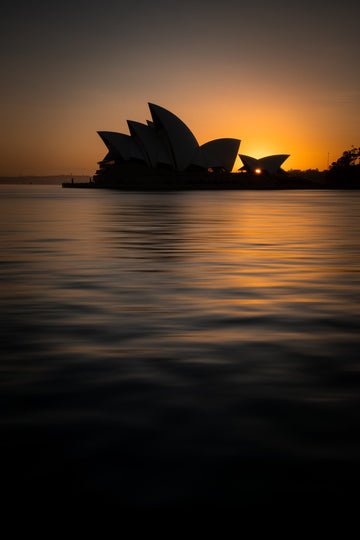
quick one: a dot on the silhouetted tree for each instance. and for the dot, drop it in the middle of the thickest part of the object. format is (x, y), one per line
(345, 172)
(348, 158)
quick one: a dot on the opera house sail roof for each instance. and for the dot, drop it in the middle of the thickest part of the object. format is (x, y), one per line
(164, 144)
(176, 135)
(268, 164)
(165, 141)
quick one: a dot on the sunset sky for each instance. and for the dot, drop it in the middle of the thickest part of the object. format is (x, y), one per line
(283, 77)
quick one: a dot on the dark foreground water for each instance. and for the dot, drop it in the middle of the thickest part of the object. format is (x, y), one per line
(180, 349)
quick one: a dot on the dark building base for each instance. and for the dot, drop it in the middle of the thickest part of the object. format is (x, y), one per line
(161, 180)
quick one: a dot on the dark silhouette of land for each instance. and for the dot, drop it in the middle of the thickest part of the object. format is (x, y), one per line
(344, 178)
(343, 174)
(41, 180)
(293, 179)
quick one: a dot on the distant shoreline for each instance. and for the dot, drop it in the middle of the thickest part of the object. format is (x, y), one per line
(42, 180)
(293, 179)
(155, 181)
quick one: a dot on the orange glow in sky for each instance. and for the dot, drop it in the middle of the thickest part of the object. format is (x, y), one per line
(71, 73)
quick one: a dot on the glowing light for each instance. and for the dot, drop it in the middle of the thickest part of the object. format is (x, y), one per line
(258, 171)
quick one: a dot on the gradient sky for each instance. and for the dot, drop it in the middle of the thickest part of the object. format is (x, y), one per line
(283, 77)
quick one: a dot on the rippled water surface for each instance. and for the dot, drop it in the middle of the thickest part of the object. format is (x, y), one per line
(180, 349)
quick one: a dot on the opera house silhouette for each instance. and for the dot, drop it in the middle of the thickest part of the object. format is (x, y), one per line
(164, 151)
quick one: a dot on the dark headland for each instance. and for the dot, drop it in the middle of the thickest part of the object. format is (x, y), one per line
(172, 181)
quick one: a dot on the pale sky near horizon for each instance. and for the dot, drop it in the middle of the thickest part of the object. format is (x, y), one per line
(281, 76)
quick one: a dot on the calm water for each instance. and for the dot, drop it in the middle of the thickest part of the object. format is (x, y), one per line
(182, 348)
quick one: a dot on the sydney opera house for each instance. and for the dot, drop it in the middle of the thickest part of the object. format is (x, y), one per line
(165, 144)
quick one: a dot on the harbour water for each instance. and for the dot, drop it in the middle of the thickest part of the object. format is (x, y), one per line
(180, 349)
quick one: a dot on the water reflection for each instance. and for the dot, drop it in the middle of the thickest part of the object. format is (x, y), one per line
(181, 348)
(146, 229)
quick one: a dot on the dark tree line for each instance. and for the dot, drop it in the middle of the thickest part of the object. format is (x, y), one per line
(345, 171)
(349, 158)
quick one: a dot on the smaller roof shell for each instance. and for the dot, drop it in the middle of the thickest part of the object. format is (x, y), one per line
(269, 164)
(121, 145)
(221, 152)
(149, 141)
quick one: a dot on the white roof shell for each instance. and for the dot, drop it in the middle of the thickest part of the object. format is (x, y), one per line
(177, 136)
(270, 164)
(221, 152)
(150, 143)
(121, 144)
(167, 140)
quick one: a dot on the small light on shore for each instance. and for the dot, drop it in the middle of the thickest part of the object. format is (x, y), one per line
(258, 171)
